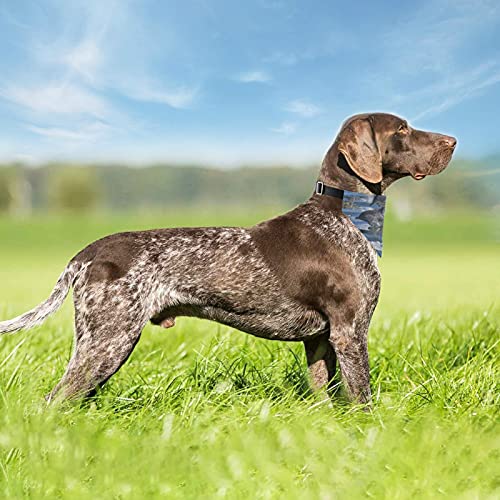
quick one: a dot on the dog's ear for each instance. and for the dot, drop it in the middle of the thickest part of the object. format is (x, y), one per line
(357, 143)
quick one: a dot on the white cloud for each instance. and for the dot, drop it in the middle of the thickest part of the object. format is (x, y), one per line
(286, 128)
(426, 52)
(254, 77)
(73, 73)
(432, 37)
(64, 98)
(463, 87)
(303, 108)
(87, 132)
(85, 58)
(56, 133)
(181, 97)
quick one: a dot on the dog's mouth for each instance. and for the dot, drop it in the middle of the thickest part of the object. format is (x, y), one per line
(418, 177)
(438, 162)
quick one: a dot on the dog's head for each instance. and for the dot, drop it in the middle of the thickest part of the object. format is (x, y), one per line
(379, 148)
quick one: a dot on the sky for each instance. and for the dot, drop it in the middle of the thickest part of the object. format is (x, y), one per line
(226, 83)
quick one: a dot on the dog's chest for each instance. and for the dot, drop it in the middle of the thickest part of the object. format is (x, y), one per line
(339, 233)
(318, 257)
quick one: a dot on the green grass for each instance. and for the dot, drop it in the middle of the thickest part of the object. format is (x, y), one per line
(203, 411)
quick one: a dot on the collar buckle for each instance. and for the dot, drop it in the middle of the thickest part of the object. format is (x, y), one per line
(320, 187)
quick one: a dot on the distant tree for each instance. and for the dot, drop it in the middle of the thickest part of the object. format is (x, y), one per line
(5, 190)
(74, 189)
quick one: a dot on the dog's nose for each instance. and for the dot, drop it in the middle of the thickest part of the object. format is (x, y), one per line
(449, 141)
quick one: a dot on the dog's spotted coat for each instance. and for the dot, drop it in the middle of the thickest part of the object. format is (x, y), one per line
(308, 275)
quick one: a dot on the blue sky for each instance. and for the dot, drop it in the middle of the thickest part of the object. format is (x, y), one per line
(225, 83)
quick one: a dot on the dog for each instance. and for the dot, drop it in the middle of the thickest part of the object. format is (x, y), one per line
(308, 275)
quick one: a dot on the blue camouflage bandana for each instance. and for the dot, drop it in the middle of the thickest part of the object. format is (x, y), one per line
(366, 212)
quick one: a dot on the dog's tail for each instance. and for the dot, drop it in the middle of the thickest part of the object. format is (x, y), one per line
(37, 315)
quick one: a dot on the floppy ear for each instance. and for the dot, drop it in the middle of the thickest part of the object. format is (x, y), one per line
(357, 143)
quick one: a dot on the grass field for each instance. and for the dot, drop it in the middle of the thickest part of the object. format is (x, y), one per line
(203, 411)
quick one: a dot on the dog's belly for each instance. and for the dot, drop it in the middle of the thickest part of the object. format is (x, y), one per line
(219, 274)
(289, 325)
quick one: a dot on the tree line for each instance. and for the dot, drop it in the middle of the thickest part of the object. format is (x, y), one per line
(81, 188)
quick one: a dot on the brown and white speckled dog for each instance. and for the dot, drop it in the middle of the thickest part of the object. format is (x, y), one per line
(308, 275)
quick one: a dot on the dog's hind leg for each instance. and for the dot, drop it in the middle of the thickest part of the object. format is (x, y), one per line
(105, 338)
(321, 360)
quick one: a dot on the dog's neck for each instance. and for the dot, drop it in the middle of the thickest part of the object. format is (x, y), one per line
(362, 202)
(335, 172)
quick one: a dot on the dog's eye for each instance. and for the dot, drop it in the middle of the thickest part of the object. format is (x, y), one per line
(403, 128)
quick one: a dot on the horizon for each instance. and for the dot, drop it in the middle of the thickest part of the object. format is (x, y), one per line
(264, 164)
(223, 85)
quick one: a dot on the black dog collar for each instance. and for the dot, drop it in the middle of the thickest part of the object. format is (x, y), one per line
(322, 188)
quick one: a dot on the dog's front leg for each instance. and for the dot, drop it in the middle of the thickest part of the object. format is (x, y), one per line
(349, 314)
(350, 341)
